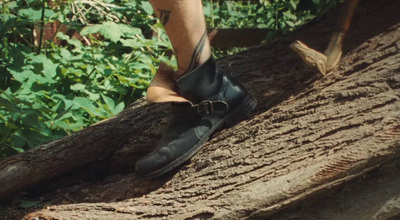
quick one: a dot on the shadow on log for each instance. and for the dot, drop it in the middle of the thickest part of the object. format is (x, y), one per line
(309, 133)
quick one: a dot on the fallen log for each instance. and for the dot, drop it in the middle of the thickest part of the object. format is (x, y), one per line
(309, 133)
(93, 144)
(375, 196)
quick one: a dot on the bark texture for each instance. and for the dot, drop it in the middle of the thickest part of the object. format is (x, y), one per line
(376, 196)
(309, 133)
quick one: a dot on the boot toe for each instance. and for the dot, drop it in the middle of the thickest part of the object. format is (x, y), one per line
(165, 158)
(152, 162)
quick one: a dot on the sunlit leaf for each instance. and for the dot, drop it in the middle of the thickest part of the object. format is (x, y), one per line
(147, 7)
(109, 102)
(118, 108)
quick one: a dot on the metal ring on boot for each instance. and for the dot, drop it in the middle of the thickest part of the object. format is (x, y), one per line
(207, 107)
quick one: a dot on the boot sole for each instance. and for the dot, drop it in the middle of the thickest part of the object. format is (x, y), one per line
(240, 113)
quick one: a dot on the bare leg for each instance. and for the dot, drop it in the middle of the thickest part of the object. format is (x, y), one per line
(186, 28)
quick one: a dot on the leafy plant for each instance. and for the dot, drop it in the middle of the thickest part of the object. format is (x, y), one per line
(49, 90)
(278, 16)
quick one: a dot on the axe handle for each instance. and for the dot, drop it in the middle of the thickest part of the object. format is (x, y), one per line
(334, 50)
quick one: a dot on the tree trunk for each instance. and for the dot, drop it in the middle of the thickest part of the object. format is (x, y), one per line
(308, 134)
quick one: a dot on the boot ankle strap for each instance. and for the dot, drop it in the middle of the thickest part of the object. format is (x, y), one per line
(208, 107)
(204, 108)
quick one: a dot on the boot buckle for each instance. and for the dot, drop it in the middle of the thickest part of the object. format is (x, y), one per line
(207, 107)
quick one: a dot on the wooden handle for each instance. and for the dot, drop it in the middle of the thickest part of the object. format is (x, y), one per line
(334, 50)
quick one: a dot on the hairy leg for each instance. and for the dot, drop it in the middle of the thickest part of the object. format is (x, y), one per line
(184, 23)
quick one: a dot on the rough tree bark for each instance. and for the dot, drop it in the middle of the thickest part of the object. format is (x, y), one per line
(309, 133)
(374, 197)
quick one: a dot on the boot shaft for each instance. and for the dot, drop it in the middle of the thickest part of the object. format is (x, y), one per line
(202, 83)
(208, 82)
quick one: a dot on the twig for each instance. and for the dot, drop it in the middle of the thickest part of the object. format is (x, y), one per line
(66, 196)
(41, 27)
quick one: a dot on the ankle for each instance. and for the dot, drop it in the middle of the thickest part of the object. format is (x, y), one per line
(182, 70)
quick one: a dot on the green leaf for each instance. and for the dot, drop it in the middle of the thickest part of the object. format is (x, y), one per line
(49, 68)
(30, 13)
(22, 75)
(33, 137)
(78, 87)
(109, 30)
(61, 124)
(27, 204)
(289, 15)
(7, 105)
(89, 107)
(119, 108)
(291, 24)
(130, 43)
(91, 29)
(63, 114)
(19, 142)
(86, 104)
(7, 18)
(74, 42)
(147, 7)
(65, 54)
(293, 4)
(109, 102)
(19, 150)
(12, 5)
(93, 96)
(129, 31)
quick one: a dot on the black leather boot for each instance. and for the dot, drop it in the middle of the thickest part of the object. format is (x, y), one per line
(216, 98)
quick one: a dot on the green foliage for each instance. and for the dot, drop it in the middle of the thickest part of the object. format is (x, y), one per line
(50, 90)
(280, 16)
